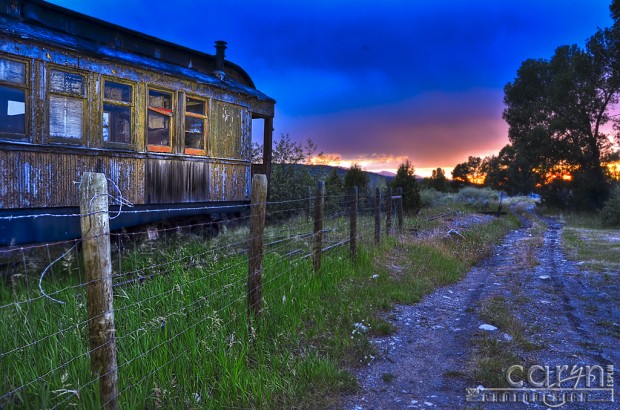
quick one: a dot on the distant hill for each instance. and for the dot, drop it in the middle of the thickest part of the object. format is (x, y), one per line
(387, 174)
(323, 171)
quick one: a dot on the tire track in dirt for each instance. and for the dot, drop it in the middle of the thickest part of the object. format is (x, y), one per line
(426, 363)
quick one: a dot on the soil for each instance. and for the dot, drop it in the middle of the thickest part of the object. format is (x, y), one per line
(572, 315)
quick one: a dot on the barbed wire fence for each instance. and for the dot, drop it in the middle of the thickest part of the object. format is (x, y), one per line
(80, 318)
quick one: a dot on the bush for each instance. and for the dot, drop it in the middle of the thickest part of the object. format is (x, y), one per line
(610, 214)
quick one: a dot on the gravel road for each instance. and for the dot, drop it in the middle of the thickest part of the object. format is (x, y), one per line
(571, 314)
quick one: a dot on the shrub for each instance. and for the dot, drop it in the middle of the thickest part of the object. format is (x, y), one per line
(610, 214)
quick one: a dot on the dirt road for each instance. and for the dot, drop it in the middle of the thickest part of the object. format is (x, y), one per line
(569, 316)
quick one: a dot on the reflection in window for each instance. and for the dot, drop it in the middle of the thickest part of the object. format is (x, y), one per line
(159, 121)
(118, 100)
(66, 105)
(12, 110)
(12, 97)
(195, 126)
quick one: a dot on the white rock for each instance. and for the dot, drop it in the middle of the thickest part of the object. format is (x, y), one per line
(544, 277)
(506, 337)
(487, 327)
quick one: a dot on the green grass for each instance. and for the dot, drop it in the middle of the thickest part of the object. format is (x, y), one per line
(493, 354)
(587, 241)
(183, 337)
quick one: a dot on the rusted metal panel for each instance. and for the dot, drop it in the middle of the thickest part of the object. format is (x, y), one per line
(230, 182)
(45, 179)
(175, 180)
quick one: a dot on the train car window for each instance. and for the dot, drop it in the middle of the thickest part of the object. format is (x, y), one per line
(12, 98)
(195, 126)
(66, 105)
(117, 110)
(159, 121)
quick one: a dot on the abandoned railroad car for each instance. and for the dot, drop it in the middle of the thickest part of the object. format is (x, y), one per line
(169, 126)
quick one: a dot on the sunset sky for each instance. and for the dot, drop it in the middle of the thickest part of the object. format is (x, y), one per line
(375, 82)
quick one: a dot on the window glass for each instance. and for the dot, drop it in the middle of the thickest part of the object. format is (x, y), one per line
(67, 82)
(195, 126)
(12, 110)
(116, 124)
(195, 106)
(194, 133)
(159, 121)
(158, 129)
(66, 117)
(12, 71)
(117, 92)
(159, 99)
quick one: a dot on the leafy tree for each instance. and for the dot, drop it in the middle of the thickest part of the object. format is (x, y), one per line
(289, 178)
(508, 172)
(438, 180)
(334, 190)
(355, 176)
(610, 214)
(405, 179)
(615, 11)
(556, 108)
(470, 172)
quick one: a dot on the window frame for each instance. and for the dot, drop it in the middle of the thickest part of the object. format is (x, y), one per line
(131, 105)
(84, 99)
(165, 149)
(27, 89)
(205, 118)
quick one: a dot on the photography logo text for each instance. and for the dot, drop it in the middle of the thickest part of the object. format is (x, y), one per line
(553, 386)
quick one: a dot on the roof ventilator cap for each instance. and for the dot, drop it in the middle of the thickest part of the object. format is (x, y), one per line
(220, 47)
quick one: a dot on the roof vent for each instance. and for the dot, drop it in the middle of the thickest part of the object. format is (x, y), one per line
(220, 48)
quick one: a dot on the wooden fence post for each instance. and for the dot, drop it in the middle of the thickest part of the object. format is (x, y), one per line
(353, 229)
(255, 258)
(377, 216)
(308, 204)
(95, 225)
(318, 224)
(399, 210)
(388, 212)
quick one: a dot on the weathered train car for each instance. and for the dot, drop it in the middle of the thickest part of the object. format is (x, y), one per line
(169, 126)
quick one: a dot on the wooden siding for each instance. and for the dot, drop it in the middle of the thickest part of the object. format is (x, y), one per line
(176, 180)
(45, 179)
(230, 182)
(226, 140)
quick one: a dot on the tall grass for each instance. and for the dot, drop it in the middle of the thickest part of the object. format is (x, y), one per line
(183, 335)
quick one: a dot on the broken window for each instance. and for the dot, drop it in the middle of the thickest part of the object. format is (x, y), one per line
(117, 106)
(12, 97)
(195, 126)
(66, 105)
(159, 121)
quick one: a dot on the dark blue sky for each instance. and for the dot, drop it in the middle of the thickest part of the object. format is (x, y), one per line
(375, 81)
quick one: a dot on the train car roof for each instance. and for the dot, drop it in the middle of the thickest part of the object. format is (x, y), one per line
(47, 23)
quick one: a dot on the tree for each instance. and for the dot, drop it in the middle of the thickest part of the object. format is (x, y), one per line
(355, 176)
(508, 172)
(469, 172)
(556, 108)
(289, 178)
(334, 190)
(438, 180)
(405, 179)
